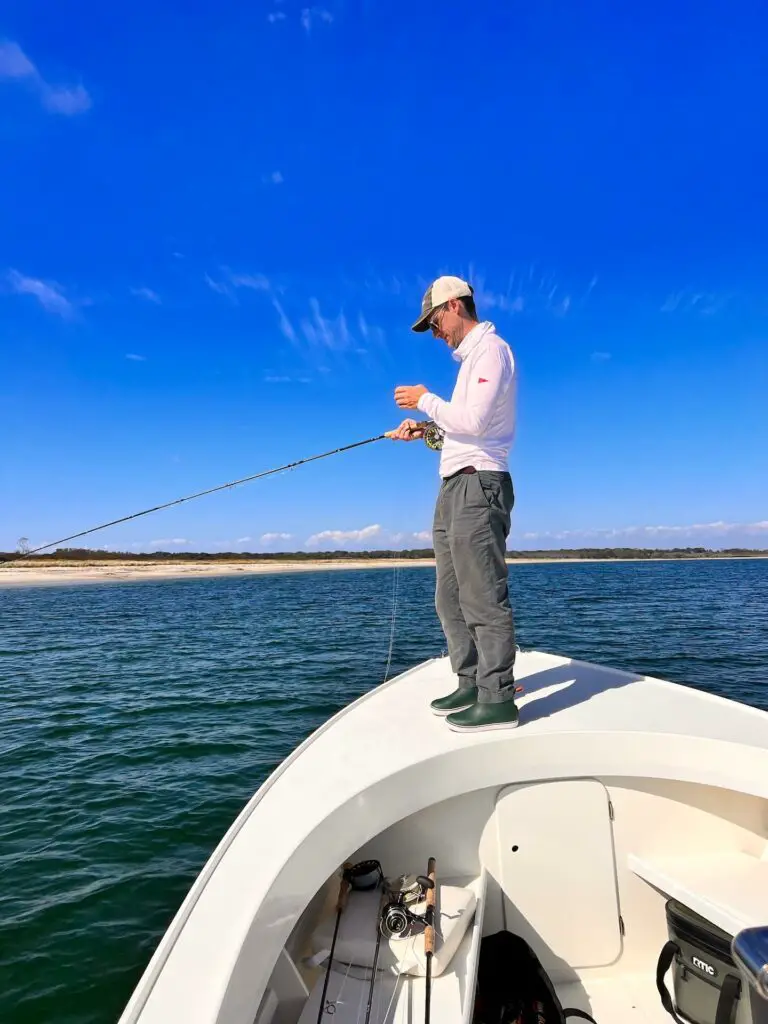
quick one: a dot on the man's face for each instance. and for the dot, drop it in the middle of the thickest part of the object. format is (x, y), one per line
(446, 324)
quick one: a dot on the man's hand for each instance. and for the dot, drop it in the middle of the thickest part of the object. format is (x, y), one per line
(408, 430)
(407, 397)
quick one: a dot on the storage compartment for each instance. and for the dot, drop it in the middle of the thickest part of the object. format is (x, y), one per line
(557, 873)
(706, 983)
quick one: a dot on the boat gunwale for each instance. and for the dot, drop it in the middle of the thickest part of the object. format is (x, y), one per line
(146, 983)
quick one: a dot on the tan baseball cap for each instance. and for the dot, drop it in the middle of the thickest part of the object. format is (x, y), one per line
(440, 291)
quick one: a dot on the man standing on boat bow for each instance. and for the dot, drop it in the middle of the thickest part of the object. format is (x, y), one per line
(474, 506)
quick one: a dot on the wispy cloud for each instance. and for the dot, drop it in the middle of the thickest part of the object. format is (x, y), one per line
(370, 333)
(310, 16)
(286, 327)
(49, 294)
(689, 300)
(217, 286)
(600, 357)
(326, 537)
(66, 101)
(390, 285)
(590, 288)
(642, 535)
(312, 332)
(321, 336)
(273, 178)
(272, 538)
(318, 330)
(326, 332)
(529, 290)
(485, 298)
(279, 379)
(146, 294)
(15, 65)
(228, 283)
(135, 358)
(257, 282)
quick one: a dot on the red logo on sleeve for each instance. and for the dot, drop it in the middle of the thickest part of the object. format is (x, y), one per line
(482, 380)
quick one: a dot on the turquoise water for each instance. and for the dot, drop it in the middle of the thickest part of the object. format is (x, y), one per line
(138, 719)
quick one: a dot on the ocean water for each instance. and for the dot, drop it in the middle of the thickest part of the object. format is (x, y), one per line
(138, 718)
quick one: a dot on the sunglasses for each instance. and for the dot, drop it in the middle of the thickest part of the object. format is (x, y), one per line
(434, 322)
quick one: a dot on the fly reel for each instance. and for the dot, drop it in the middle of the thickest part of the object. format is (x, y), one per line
(397, 918)
(434, 437)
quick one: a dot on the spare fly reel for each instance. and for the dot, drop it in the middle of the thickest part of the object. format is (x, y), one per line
(397, 918)
(365, 875)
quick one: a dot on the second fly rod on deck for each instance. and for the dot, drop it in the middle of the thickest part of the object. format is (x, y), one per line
(433, 438)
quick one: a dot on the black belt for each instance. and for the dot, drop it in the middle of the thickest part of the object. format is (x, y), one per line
(466, 469)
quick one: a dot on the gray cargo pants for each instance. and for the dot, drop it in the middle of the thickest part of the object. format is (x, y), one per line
(470, 530)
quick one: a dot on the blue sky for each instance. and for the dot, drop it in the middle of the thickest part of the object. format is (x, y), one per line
(217, 221)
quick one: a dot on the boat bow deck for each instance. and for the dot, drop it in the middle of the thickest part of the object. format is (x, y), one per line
(386, 757)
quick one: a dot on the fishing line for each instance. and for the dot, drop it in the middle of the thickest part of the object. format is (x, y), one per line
(395, 587)
(398, 976)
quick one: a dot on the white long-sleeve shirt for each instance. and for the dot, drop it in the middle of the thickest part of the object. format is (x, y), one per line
(479, 420)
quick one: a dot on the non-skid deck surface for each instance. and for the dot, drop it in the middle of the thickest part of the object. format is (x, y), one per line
(396, 1000)
(626, 999)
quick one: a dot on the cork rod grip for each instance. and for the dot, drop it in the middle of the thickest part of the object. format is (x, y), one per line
(429, 931)
(344, 887)
(422, 425)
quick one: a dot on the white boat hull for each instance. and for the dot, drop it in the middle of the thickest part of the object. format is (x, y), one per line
(616, 792)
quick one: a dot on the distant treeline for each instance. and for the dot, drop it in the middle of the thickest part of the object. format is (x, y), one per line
(87, 554)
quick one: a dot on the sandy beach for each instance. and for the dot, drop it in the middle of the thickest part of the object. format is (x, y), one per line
(65, 573)
(111, 572)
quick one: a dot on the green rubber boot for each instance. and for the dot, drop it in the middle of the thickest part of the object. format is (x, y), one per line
(459, 700)
(481, 717)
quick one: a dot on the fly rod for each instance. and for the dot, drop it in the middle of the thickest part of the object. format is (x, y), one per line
(341, 902)
(429, 936)
(432, 438)
(368, 1008)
